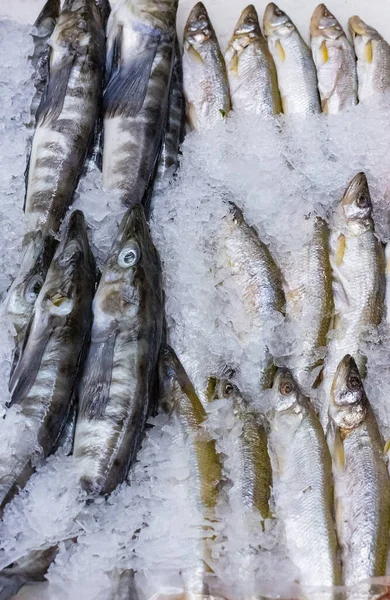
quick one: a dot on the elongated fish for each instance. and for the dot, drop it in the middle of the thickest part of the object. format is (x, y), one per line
(178, 396)
(140, 56)
(44, 381)
(67, 113)
(29, 569)
(362, 485)
(373, 59)
(26, 287)
(116, 392)
(206, 87)
(303, 487)
(335, 61)
(251, 69)
(296, 71)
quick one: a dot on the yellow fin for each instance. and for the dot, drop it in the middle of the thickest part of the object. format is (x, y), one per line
(325, 106)
(234, 64)
(387, 446)
(340, 250)
(388, 265)
(324, 52)
(280, 50)
(368, 52)
(195, 55)
(338, 449)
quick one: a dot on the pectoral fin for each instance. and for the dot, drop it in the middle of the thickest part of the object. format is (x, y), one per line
(53, 97)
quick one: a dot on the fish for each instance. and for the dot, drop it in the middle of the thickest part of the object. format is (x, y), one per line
(123, 586)
(362, 484)
(310, 302)
(24, 291)
(253, 467)
(205, 80)
(256, 274)
(373, 59)
(69, 108)
(303, 486)
(335, 61)
(387, 293)
(29, 569)
(141, 41)
(117, 391)
(251, 69)
(44, 382)
(178, 397)
(297, 77)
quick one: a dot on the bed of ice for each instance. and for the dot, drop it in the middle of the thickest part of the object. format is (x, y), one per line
(278, 176)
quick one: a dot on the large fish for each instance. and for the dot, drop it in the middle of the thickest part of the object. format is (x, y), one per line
(67, 113)
(362, 485)
(373, 59)
(296, 71)
(206, 86)
(44, 382)
(335, 61)
(303, 487)
(117, 388)
(179, 398)
(251, 69)
(140, 57)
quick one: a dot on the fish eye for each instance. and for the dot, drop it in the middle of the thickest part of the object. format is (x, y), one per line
(353, 383)
(33, 288)
(129, 256)
(278, 12)
(286, 388)
(228, 389)
(202, 17)
(363, 201)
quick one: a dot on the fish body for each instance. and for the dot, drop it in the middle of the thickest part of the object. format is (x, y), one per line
(44, 381)
(251, 69)
(206, 86)
(140, 55)
(335, 61)
(362, 485)
(297, 78)
(67, 112)
(303, 487)
(29, 569)
(116, 392)
(373, 59)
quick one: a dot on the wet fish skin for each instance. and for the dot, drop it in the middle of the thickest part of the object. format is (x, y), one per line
(116, 394)
(303, 487)
(335, 61)
(373, 59)
(297, 77)
(362, 485)
(29, 569)
(251, 69)
(206, 87)
(67, 112)
(140, 56)
(44, 381)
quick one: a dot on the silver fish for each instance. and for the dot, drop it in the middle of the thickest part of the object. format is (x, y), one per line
(44, 381)
(140, 56)
(116, 392)
(362, 484)
(335, 61)
(67, 112)
(297, 77)
(206, 87)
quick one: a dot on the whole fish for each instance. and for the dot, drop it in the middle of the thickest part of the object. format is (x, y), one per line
(252, 469)
(362, 485)
(206, 87)
(25, 289)
(140, 54)
(67, 113)
(335, 61)
(251, 69)
(178, 396)
(303, 487)
(373, 59)
(116, 392)
(295, 68)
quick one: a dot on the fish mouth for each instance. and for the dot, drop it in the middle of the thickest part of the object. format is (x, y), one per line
(324, 23)
(198, 21)
(275, 19)
(248, 22)
(133, 225)
(74, 240)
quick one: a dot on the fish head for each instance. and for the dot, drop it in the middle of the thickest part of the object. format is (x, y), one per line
(348, 401)
(356, 201)
(247, 28)
(324, 24)
(173, 380)
(76, 22)
(222, 388)
(364, 39)
(285, 391)
(198, 28)
(276, 23)
(45, 22)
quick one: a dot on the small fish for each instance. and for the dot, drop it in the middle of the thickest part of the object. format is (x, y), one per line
(373, 59)
(206, 87)
(303, 487)
(67, 113)
(29, 569)
(362, 485)
(117, 389)
(141, 41)
(335, 61)
(295, 68)
(44, 382)
(251, 68)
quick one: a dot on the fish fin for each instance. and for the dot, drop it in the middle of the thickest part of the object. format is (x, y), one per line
(319, 379)
(341, 245)
(280, 50)
(53, 97)
(368, 52)
(95, 389)
(324, 52)
(113, 56)
(194, 54)
(338, 449)
(325, 106)
(234, 64)
(387, 447)
(126, 90)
